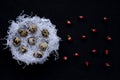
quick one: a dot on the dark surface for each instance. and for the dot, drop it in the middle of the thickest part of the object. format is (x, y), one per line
(59, 11)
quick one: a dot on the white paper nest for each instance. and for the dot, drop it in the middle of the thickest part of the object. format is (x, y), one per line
(42, 23)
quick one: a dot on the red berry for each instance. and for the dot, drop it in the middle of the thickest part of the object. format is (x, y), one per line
(107, 64)
(94, 30)
(109, 38)
(65, 58)
(94, 50)
(76, 54)
(84, 36)
(86, 63)
(68, 22)
(81, 17)
(69, 38)
(105, 18)
(106, 51)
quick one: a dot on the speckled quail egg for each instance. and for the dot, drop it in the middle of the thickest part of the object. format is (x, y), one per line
(23, 32)
(38, 54)
(31, 41)
(33, 28)
(16, 41)
(45, 33)
(43, 46)
(23, 49)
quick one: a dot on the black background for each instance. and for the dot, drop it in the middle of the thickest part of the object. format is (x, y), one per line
(58, 11)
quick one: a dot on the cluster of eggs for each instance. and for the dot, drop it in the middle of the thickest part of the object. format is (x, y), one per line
(33, 40)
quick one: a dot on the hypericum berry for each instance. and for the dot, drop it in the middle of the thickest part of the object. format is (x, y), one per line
(65, 58)
(68, 22)
(106, 51)
(86, 63)
(94, 51)
(94, 30)
(107, 64)
(69, 38)
(81, 17)
(105, 19)
(84, 36)
(109, 38)
(76, 54)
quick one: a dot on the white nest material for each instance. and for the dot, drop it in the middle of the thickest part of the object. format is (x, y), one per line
(42, 23)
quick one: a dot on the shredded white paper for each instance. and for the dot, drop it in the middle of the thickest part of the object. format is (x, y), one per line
(24, 21)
